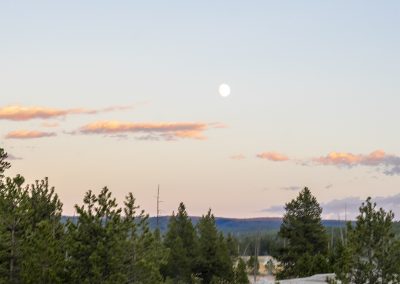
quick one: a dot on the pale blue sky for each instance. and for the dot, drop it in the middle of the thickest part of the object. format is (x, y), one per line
(307, 78)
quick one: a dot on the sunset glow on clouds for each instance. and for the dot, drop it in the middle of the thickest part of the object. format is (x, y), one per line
(21, 113)
(165, 130)
(273, 156)
(26, 134)
(390, 163)
(309, 114)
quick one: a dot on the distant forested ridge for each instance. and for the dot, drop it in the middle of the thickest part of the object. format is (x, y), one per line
(236, 226)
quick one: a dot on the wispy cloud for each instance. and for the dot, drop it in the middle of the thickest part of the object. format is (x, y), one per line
(238, 157)
(273, 156)
(292, 188)
(347, 207)
(389, 164)
(26, 134)
(160, 130)
(21, 113)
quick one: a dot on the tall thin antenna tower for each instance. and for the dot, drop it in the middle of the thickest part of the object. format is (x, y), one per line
(158, 206)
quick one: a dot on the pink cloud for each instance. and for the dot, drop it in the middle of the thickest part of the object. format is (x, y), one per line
(26, 134)
(273, 156)
(21, 113)
(165, 130)
(349, 159)
(389, 164)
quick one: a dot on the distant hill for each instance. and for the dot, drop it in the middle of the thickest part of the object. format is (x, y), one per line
(241, 226)
(235, 225)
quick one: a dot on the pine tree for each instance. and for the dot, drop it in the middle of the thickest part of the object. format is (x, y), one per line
(306, 251)
(96, 243)
(373, 252)
(43, 249)
(240, 273)
(13, 221)
(4, 165)
(31, 233)
(214, 259)
(181, 242)
(144, 250)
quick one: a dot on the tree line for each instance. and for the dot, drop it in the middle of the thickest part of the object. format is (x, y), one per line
(107, 243)
(368, 250)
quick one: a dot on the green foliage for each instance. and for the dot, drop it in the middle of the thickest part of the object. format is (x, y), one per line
(241, 273)
(253, 263)
(306, 247)
(145, 252)
(4, 165)
(214, 261)
(182, 243)
(372, 252)
(31, 235)
(112, 244)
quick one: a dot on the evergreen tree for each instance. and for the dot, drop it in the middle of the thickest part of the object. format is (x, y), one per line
(31, 234)
(13, 221)
(214, 256)
(4, 165)
(233, 247)
(305, 253)
(181, 241)
(373, 252)
(96, 242)
(240, 273)
(43, 250)
(144, 250)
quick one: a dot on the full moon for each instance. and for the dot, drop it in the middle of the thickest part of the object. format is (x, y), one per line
(224, 90)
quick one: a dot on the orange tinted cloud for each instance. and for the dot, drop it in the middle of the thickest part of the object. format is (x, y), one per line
(20, 113)
(388, 164)
(349, 159)
(165, 130)
(26, 134)
(273, 156)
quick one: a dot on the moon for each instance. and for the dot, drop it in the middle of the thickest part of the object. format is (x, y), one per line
(224, 90)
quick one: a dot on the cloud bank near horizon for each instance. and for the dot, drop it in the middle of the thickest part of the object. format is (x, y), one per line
(385, 163)
(151, 130)
(27, 134)
(24, 113)
(338, 208)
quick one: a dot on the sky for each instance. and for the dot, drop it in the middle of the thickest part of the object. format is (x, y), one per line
(124, 94)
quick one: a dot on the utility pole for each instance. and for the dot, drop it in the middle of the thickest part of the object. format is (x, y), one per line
(158, 206)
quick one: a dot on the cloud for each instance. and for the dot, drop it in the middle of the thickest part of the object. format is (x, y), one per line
(26, 134)
(390, 164)
(347, 207)
(238, 157)
(21, 113)
(161, 130)
(273, 156)
(350, 206)
(292, 188)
